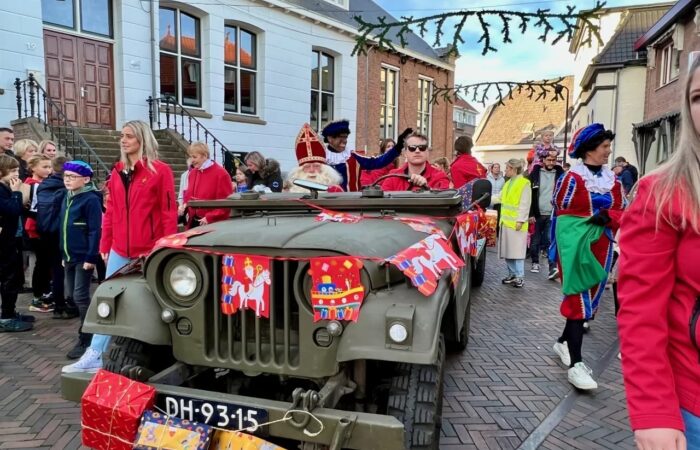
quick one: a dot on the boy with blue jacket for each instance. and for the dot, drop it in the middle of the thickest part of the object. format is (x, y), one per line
(81, 224)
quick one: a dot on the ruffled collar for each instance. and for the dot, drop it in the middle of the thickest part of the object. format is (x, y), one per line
(600, 182)
(334, 158)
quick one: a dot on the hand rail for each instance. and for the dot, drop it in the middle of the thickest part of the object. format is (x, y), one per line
(195, 129)
(56, 122)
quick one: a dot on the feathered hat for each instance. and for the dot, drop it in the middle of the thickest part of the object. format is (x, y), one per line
(308, 147)
(588, 138)
(336, 128)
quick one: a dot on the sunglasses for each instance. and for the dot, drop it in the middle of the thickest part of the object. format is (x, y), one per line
(413, 148)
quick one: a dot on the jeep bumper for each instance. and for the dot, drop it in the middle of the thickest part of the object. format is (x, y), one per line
(350, 429)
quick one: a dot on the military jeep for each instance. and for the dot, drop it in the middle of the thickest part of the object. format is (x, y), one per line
(372, 384)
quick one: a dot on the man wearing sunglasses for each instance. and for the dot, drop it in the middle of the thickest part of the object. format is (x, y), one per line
(421, 173)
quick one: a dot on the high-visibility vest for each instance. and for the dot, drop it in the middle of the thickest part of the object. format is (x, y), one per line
(510, 201)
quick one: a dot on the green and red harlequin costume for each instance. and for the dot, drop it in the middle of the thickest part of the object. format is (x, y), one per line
(584, 250)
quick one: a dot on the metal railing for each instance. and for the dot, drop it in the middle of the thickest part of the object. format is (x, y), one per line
(166, 113)
(34, 102)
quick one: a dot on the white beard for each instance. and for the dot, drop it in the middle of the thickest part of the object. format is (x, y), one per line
(328, 176)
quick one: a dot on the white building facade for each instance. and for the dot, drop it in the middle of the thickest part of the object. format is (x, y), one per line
(247, 70)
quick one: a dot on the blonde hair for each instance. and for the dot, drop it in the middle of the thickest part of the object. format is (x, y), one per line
(680, 175)
(36, 159)
(517, 164)
(198, 148)
(20, 147)
(256, 158)
(443, 163)
(44, 143)
(149, 144)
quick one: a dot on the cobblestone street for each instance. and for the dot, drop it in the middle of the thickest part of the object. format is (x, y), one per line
(506, 391)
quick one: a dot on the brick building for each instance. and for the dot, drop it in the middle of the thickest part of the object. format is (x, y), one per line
(671, 44)
(394, 92)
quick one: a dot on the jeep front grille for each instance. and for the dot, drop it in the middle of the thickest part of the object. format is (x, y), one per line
(244, 340)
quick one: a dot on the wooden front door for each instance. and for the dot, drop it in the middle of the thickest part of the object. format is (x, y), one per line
(80, 79)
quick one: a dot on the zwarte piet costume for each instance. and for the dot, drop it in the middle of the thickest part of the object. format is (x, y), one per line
(588, 203)
(349, 163)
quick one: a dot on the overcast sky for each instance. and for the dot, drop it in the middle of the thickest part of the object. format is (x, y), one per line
(526, 58)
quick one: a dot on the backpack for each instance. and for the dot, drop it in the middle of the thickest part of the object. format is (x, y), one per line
(48, 207)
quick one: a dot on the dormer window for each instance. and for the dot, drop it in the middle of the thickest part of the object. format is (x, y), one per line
(345, 4)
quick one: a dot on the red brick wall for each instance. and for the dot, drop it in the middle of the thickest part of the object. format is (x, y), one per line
(369, 102)
(665, 99)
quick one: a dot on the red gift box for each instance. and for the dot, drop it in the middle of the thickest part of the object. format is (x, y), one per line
(112, 406)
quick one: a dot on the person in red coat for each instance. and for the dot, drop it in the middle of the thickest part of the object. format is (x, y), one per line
(141, 208)
(421, 173)
(465, 167)
(207, 180)
(659, 292)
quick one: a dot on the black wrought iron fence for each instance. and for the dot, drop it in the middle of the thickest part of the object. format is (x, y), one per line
(34, 102)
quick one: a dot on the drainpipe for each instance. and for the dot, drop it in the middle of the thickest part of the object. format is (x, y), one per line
(367, 99)
(616, 99)
(154, 48)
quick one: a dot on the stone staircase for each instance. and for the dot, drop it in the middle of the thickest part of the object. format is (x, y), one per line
(106, 144)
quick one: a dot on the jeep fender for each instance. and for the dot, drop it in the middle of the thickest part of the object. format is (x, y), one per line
(134, 311)
(368, 337)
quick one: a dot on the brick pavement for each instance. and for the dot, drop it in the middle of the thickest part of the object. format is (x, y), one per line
(506, 391)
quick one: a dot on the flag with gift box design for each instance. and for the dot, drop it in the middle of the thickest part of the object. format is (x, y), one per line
(424, 262)
(112, 406)
(245, 284)
(179, 240)
(337, 291)
(158, 432)
(487, 228)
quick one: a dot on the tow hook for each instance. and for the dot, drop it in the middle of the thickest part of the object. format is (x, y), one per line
(304, 401)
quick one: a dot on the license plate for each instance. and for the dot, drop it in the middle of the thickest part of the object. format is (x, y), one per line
(218, 414)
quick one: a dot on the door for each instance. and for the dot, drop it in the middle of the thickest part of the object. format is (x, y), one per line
(79, 78)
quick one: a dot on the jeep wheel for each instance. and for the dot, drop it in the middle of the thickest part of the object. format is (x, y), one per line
(415, 398)
(479, 271)
(134, 359)
(461, 344)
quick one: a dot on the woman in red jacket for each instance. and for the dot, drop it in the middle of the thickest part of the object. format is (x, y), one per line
(140, 209)
(659, 289)
(206, 181)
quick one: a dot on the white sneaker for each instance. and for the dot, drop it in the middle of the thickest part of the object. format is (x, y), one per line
(90, 362)
(535, 268)
(580, 376)
(562, 350)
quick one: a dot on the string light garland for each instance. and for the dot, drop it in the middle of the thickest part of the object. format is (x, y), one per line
(562, 25)
(503, 90)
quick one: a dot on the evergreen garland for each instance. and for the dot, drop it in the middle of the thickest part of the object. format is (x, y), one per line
(503, 90)
(562, 25)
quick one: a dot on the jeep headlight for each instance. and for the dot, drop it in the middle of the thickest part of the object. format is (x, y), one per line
(183, 280)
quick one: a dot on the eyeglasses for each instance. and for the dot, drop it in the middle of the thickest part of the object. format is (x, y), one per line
(70, 176)
(413, 148)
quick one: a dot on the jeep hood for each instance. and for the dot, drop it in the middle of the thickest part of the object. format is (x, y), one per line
(373, 238)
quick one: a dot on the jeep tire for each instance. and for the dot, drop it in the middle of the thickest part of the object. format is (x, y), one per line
(415, 398)
(461, 343)
(479, 270)
(124, 353)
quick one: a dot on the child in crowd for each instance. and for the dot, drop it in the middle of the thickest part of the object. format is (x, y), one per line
(40, 168)
(80, 232)
(543, 148)
(50, 195)
(10, 247)
(241, 182)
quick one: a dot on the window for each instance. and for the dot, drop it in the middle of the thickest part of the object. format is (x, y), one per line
(180, 57)
(425, 93)
(322, 89)
(389, 98)
(670, 65)
(88, 16)
(240, 70)
(342, 3)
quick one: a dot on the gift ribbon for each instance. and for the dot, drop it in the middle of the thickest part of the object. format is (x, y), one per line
(111, 418)
(82, 424)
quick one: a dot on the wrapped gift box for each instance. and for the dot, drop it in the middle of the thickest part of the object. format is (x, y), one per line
(112, 406)
(235, 440)
(488, 228)
(161, 432)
